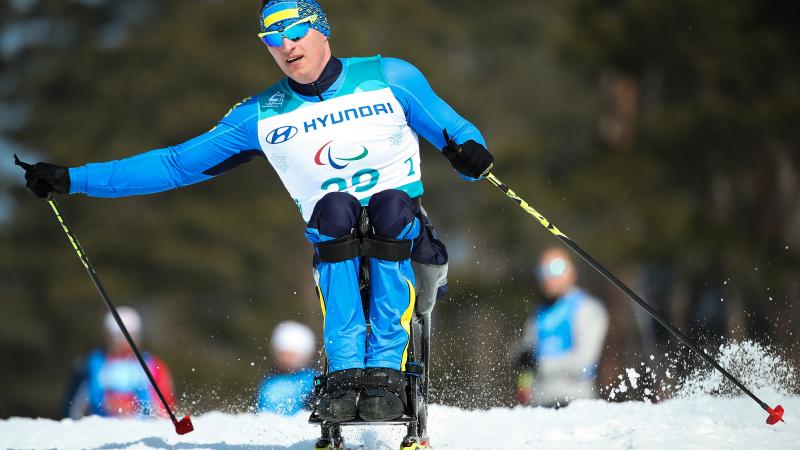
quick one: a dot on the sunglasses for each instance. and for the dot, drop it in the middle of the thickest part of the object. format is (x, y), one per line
(293, 32)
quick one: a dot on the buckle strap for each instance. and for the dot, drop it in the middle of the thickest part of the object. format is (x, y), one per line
(385, 248)
(389, 380)
(349, 247)
(345, 379)
(340, 249)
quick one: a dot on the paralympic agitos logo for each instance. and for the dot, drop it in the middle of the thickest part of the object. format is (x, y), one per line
(337, 162)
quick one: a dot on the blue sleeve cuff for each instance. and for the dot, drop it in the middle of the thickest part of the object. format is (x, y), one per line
(78, 180)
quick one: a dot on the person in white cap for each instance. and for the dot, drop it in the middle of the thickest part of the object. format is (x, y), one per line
(288, 390)
(111, 382)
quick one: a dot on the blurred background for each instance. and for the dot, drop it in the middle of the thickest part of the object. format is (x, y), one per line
(660, 136)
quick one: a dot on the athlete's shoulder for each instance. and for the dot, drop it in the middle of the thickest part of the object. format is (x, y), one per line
(400, 69)
(393, 63)
(243, 110)
(245, 102)
(401, 74)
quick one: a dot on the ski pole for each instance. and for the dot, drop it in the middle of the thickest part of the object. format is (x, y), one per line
(184, 425)
(775, 414)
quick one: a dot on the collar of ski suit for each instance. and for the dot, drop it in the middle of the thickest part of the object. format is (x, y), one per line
(329, 76)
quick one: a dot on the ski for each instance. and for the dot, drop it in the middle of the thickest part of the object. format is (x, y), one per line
(328, 444)
(338, 444)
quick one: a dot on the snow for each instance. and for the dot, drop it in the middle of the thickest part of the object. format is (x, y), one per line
(697, 422)
(697, 417)
(633, 377)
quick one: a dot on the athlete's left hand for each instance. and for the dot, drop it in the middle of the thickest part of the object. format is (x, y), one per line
(470, 158)
(43, 178)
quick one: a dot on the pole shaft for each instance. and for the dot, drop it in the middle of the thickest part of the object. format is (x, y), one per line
(619, 284)
(93, 275)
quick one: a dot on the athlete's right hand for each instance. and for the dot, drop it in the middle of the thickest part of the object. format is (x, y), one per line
(470, 158)
(43, 178)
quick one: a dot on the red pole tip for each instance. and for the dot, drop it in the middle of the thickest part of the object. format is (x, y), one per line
(775, 415)
(184, 425)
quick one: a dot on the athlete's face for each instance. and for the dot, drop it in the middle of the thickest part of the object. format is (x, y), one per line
(304, 59)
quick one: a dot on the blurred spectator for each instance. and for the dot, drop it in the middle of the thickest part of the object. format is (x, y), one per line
(563, 340)
(111, 382)
(288, 390)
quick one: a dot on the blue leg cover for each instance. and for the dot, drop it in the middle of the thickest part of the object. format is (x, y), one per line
(334, 216)
(392, 215)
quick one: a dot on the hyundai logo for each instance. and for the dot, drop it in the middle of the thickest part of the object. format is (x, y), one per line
(281, 134)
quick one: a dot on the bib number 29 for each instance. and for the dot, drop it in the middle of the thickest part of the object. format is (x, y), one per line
(363, 180)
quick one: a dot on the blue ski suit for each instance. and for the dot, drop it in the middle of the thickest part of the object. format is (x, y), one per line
(347, 141)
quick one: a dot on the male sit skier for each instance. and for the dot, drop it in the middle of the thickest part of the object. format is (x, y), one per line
(342, 134)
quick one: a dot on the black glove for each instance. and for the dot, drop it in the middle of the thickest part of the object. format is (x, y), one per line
(470, 158)
(43, 178)
(526, 360)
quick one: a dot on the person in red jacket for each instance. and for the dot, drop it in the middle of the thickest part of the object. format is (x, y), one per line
(111, 382)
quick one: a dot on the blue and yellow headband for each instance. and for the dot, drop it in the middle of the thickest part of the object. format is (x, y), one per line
(278, 14)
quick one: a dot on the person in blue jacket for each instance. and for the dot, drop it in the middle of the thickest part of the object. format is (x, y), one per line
(343, 136)
(564, 338)
(288, 389)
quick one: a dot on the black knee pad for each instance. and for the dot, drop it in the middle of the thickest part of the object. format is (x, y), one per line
(335, 214)
(390, 211)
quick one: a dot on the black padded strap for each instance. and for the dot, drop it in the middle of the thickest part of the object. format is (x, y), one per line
(338, 250)
(348, 247)
(345, 379)
(386, 249)
(392, 382)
